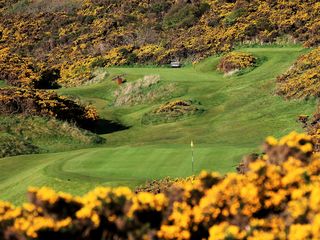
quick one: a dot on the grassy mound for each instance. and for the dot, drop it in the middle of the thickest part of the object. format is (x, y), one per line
(148, 89)
(303, 78)
(277, 198)
(172, 111)
(26, 135)
(236, 61)
(13, 146)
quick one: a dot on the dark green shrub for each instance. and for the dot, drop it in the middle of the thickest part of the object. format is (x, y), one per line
(98, 62)
(233, 16)
(13, 146)
(160, 6)
(180, 15)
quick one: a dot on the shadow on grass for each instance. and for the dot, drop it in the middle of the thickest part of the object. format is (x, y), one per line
(103, 126)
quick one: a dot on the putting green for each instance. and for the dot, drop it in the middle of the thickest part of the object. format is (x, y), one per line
(240, 112)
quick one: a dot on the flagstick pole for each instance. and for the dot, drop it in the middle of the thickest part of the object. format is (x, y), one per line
(192, 162)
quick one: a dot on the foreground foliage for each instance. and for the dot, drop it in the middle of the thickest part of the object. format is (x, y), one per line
(276, 198)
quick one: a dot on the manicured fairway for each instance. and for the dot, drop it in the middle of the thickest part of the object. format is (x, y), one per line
(240, 112)
(81, 170)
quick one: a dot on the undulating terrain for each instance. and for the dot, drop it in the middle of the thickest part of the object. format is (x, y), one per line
(239, 111)
(89, 99)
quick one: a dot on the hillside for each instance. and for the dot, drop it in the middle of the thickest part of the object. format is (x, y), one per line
(77, 48)
(66, 40)
(170, 98)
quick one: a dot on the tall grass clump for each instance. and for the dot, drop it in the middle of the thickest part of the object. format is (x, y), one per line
(148, 89)
(26, 135)
(13, 146)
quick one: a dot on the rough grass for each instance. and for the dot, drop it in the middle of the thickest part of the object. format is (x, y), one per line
(36, 6)
(172, 111)
(36, 134)
(2, 83)
(147, 89)
(14, 145)
(240, 112)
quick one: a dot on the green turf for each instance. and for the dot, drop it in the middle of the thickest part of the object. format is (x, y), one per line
(2, 83)
(240, 112)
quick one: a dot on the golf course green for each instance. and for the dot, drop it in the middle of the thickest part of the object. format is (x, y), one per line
(240, 111)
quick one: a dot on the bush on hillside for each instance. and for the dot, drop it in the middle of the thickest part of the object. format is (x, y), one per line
(276, 198)
(172, 111)
(25, 72)
(45, 103)
(312, 126)
(63, 35)
(231, 18)
(180, 15)
(17, 70)
(80, 72)
(236, 61)
(302, 80)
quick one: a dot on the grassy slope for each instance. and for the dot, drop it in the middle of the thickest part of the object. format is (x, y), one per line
(241, 112)
(49, 135)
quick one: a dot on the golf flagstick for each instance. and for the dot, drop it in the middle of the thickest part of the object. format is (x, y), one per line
(192, 150)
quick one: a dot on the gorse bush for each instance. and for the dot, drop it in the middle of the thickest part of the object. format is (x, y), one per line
(180, 15)
(236, 61)
(45, 103)
(66, 35)
(312, 127)
(161, 185)
(172, 111)
(302, 80)
(276, 198)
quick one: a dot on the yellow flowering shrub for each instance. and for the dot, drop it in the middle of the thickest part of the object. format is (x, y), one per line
(302, 80)
(62, 34)
(271, 200)
(236, 61)
(45, 103)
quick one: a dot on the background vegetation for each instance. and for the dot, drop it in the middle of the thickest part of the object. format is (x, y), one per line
(68, 39)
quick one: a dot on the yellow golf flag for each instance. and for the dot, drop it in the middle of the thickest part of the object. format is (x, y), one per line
(192, 145)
